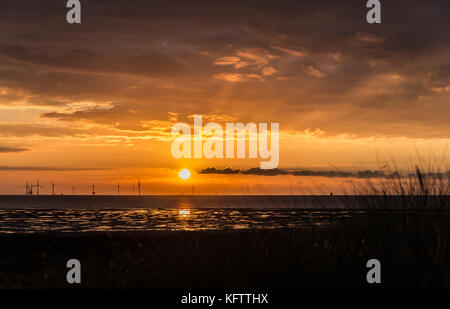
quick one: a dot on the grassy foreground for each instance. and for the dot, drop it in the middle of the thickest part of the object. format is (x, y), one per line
(413, 250)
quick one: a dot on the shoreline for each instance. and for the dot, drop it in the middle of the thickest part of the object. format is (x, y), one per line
(307, 202)
(328, 257)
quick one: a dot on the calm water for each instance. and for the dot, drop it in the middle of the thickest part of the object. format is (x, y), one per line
(172, 219)
(29, 214)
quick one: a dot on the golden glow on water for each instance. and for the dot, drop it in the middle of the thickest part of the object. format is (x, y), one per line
(184, 213)
(182, 218)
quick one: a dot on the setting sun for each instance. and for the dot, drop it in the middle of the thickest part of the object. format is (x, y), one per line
(184, 174)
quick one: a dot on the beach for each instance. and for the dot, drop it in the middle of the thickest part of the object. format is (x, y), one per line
(412, 250)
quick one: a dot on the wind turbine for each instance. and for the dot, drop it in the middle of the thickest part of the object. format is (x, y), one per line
(31, 188)
(53, 188)
(37, 187)
(118, 189)
(93, 189)
(139, 187)
(27, 188)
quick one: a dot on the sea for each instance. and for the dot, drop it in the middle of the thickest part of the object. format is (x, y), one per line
(36, 214)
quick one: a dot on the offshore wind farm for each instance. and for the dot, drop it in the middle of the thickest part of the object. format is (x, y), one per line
(36, 189)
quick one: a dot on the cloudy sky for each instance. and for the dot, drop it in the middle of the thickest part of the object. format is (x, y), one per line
(95, 102)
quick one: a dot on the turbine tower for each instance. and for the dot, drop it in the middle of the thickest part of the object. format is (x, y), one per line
(118, 189)
(37, 187)
(139, 187)
(93, 189)
(53, 188)
(27, 188)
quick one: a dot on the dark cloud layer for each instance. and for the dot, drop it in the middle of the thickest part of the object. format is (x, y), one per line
(305, 64)
(4, 149)
(44, 168)
(150, 64)
(276, 172)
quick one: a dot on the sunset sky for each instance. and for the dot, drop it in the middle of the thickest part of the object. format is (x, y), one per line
(95, 102)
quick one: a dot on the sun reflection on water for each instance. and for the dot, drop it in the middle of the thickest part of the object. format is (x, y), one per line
(184, 213)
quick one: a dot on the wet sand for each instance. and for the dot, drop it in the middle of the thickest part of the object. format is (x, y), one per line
(412, 250)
